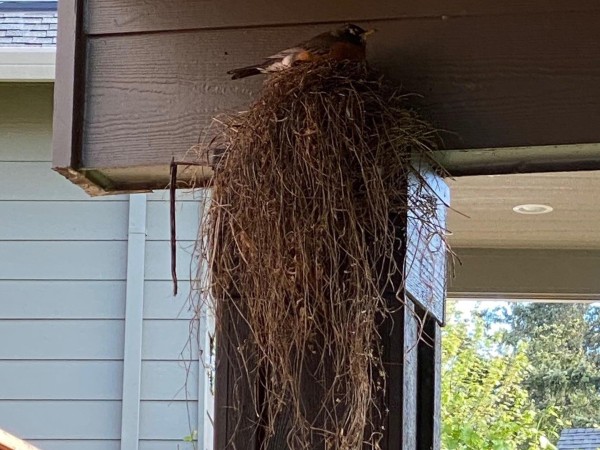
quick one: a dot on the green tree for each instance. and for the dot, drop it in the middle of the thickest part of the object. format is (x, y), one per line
(484, 405)
(563, 348)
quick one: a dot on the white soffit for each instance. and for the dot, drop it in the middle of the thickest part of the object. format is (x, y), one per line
(19, 64)
(483, 213)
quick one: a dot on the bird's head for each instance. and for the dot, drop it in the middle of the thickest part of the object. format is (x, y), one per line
(353, 33)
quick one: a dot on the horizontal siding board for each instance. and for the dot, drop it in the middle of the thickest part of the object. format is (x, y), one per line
(159, 302)
(168, 340)
(118, 16)
(175, 444)
(81, 220)
(187, 220)
(94, 380)
(169, 380)
(181, 195)
(62, 299)
(61, 380)
(61, 339)
(520, 82)
(66, 260)
(167, 420)
(158, 260)
(42, 184)
(25, 122)
(52, 419)
(76, 444)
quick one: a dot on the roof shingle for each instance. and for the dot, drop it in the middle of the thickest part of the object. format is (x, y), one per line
(28, 29)
(579, 439)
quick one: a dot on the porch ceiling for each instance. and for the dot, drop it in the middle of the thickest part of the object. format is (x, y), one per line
(488, 203)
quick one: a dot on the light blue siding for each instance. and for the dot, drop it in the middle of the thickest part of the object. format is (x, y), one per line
(94, 380)
(80, 221)
(61, 339)
(167, 340)
(79, 299)
(165, 445)
(167, 419)
(63, 277)
(61, 380)
(159, 302)
(63, 260)
(158, 260)
(59, 419)
(111, 445)
(77, 444)
(188, 214)
(169, 380)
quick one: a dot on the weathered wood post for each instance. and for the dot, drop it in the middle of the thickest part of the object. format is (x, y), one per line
(410, 340)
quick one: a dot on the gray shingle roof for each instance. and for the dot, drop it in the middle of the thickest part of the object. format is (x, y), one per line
(579, 439)
(28, 29)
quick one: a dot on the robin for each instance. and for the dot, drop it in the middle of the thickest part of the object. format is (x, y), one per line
(345, 43)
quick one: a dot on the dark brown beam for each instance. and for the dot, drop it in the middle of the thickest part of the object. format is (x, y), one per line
(493, 81)
(526, 274)
(67, 120)
(498, 161)
(429, 431)
(504, 76)
(133, 16)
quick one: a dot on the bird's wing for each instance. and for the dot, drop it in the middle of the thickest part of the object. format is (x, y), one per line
(282, 60)
(319, 44)
(316, 45)
(285, 53)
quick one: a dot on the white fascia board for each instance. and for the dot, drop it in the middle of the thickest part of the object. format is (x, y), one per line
(18, 64)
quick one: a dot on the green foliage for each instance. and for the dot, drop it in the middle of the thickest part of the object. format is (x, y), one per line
(192, 437)
(484, 403)
(563, 348)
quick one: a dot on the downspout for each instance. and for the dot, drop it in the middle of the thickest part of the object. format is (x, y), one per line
(134, 306)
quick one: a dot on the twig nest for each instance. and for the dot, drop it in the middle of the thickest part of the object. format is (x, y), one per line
(301, 236)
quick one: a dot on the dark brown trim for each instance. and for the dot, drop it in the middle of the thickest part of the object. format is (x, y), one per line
(89, 184)
(551, 274)
(499, 161)
(429, 387)
(98, 182)
(69, 86)
(193, 15)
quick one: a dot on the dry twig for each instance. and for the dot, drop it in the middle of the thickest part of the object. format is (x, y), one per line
(302, 233)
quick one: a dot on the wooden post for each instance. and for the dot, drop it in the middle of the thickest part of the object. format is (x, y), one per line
(411, 363)
(428, 387)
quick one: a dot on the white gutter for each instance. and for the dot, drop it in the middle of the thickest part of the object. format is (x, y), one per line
(21, 64)
(134, 319)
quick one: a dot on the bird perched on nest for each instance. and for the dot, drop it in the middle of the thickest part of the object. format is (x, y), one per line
(345, 43)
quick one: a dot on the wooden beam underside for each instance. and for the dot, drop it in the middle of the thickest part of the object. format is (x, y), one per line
(511, 77)
(526, 274)
(457, 163)
(500, 161)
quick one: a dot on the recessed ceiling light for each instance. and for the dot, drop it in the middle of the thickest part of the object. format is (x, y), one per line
(532, 208)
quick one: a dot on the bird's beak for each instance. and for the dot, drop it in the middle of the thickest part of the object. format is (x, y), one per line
(368, 32)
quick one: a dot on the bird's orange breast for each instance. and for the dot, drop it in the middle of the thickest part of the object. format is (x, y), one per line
(304, 55)
(347, 51)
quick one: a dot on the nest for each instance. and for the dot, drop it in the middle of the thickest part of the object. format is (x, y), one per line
(302, 236)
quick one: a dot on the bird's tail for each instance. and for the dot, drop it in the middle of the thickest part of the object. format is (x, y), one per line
(244, 72)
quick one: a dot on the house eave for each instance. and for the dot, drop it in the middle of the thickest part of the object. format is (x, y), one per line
(19, 64)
